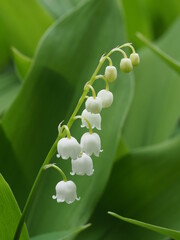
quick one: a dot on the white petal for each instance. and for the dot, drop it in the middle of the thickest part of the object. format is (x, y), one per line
(94, 119)
(70, 195)
(68, 147)
(106, 97)
(93, 105)
(82, 165)
(65, 191)
(91, 143)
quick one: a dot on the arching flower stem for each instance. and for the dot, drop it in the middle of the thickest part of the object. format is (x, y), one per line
(85, 119)
(110, 61)
(66, 129)
(92, 90)
(106, 81)
(56, 168)
(128, 45)
(121, 51)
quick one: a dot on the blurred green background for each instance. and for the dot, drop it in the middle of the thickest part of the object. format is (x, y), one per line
(48, 51)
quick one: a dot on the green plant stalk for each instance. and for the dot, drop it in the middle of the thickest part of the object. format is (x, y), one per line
(164, 56)
(59, 170)
(54, 146)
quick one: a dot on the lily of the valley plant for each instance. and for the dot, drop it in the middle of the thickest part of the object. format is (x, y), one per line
(90, 144)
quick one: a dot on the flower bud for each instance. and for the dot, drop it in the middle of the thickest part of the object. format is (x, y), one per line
(66, 192)
(82, 165)
(106, 97)
(68, 147)
(91, 144)
(93, 105)
(94, 119)
(110, 73)
(135, 59)
(126, 65)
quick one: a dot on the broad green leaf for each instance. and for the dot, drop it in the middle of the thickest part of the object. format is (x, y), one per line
(9, 88)
(143, 185)
(156, 92)
(10, 213)
(65, 235)
(136, 10)
(23, 23)
(149, 17)
(60, 67)
(157, 13)
(122, 150)
(3, 47)
(60, 7)
(10, 169)
(164, 231)
(22, 63)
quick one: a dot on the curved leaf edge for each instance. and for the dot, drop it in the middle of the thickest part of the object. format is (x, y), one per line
(162, 230)
(66, 234)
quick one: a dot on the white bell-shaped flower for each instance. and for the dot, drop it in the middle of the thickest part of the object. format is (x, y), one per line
(94, 119)
(82, 165)
(106, 97)
(68, 147)
(91, 143)
(66, 192)
(93, 105)
(110, 73)
(126, 65)
(135, 59)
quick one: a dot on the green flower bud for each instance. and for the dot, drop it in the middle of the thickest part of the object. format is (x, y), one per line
(135, 59)
(126, 65)
(110, 73)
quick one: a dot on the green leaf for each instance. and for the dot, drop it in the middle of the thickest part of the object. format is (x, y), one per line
(60, 7)
(149, 17)
(165, 57)
(22, 63)
(122, 150)
(11, 170)
(9, 88)
(61, 235)
(157, 89)
(164, 231)
(136, 9)
(10, 213)
(23, 23)
(143, 185)
(3, 47)
(49, 95)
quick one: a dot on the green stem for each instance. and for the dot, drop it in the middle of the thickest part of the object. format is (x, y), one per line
(128, 45)
(110, 61)
(58, 169)
(107, 85)
(53, 149)
(121, 51)
(106, 81)
(65, 127)
(92, 90)
(88, 123)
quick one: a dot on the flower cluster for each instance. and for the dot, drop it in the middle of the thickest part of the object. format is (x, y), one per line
(90, 143)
